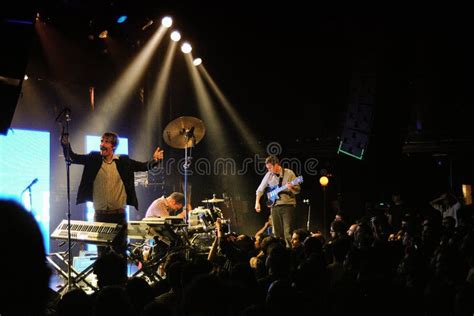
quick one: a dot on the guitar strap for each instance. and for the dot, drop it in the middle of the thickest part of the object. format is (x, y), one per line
(281, 178)
(288, 192)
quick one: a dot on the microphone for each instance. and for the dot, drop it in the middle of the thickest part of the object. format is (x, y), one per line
(31, 184)
(67, 112)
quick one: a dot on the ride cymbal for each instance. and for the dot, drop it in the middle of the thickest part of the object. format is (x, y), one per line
(184, 132)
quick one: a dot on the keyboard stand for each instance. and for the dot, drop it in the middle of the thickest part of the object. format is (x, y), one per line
(169, 231)
(148, 269)
(59, 261)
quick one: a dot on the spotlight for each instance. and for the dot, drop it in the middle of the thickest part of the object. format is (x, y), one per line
(122, 19)
(197, 61)
(186, 48)
(26, 77)
(104, 34)
(175, 36)
(167, 21)
(324, 181)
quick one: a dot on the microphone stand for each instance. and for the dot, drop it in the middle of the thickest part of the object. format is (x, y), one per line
(28, 188)
(306, 201)
(67, 158)
(31, 198)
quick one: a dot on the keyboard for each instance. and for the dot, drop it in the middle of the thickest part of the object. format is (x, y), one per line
(90, 232)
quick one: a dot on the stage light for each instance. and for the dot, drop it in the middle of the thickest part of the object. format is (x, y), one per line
(175, 36)
(167, 21)
(122, 19)
(324, 181)
(467, 193)
(197, 61)
(26, 77)
(186, 48)
(104, 34)
(147, 25)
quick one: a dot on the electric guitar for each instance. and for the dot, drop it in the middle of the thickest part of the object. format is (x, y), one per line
(273, 193)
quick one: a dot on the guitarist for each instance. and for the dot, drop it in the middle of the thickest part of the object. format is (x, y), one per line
(283, 210)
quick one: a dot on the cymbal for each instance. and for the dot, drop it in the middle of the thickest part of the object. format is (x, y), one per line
(213, 200)
(184, 132)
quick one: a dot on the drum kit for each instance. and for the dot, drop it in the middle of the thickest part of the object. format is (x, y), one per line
(206, 217)
(156, 237)
(202, 224)
(172, 233)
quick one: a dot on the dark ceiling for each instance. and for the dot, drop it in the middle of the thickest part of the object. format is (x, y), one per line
(292, 64)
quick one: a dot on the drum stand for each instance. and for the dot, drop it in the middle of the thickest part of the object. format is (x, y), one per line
(229, 202)
(186, 165)
(184, 133)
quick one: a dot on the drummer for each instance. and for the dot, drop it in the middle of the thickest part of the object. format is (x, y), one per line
(171, 205)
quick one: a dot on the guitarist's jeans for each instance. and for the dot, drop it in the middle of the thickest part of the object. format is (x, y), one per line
(284, 221)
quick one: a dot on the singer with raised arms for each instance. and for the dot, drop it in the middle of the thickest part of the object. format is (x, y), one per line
(108, 182)
(283, 186)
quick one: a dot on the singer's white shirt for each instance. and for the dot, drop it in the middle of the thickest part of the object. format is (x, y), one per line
(109, 191)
